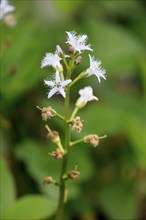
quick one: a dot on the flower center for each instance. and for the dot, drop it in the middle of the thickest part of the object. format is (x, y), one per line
(57, 84)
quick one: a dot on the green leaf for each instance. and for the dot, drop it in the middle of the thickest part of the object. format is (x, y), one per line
(108, 41)
(16, 70)
(31, 207)
(135, 131)
(118, 201)
(7, 187)
(102, 119)
(68, 7)
(39, 164)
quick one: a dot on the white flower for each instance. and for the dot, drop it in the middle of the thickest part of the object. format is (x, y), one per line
(5, 8)
(86, 95)
(51, 60)
(77, 42)
(95, 69)
(57, 86)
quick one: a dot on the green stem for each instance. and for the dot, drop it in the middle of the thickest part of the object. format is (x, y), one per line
(60, 147)
(59, 116)
(76, 142)
(63, 190)
(74, 113)
(80, 76)
(71, 66)
(48, 129)
(62, 76)
(65, 62)
(102, 137)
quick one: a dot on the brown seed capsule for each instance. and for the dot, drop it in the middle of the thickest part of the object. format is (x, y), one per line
(47, 180)
(92, 139)
(57, 154)
(74, 174)
(77, 124)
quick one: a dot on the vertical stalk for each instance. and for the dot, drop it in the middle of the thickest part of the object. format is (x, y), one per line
(62, 193)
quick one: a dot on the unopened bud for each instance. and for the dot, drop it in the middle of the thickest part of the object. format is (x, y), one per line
(57, 154)
(71, 49)
(59, 51)
(78, 60)
(77, 124)
(47, 180)
(92, 139)
(74, 174)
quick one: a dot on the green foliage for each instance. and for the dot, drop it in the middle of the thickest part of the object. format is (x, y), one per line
(125, 55)
(7, 187)
(39, 164)
(118, 201)
(31, 207)
(27, 207)
(16, 70)
(136, 135)
(68, 7)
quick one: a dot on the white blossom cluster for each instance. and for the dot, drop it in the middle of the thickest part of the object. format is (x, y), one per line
(76, 45)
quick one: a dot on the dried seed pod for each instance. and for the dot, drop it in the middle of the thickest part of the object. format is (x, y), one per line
(57, 154)
(48, 112)
(74, 174)
(92, 139)
(77, 124)
(47, 180)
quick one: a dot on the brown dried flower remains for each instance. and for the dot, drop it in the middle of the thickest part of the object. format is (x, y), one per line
(48, 113)
(74, 174)
(57, 154)
(47, 180)
(77, 124)
(92, 139)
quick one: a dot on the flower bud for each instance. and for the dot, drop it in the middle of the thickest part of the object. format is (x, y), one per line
(74, 174)
(59, 51)
(57, 154)
(71, 49)
(77, 124)
(78, 60)
(47, 180)
(92, 139)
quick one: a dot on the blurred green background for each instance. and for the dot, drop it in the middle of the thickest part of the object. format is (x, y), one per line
(112, 182)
